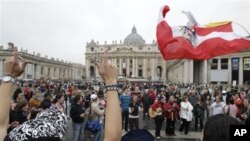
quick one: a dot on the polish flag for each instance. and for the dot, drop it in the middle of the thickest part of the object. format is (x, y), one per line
(197, 42)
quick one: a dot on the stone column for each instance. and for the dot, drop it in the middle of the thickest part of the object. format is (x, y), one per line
(153, 68)
(185, 71)
(87, 68)
(115, 61)
(45, 70)
(120, 66)
(191, 71)
(70, 74)
(229, 71)
(127, 65)
(209, 70)
(241, 71)
(133, 68)
(205, 71)
(33, 71)
(136, 67)
(144, 70)
(38, 71)
(66, 74)
(27, 71)
(52, 72)
(163, 73)
(58, 72)
(96, 72)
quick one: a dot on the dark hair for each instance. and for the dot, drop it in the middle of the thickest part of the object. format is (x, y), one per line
(77, 98)
(132, 89)
(231, 100)
(58, 96)
(220, 97)
(184, 97)
(100, 93)
(160, 98)
(46, 104)
(33, 112)
(131, 103)
(16, 93)
(21, 104)
(125, 87)
(47, 94)
(217, 128)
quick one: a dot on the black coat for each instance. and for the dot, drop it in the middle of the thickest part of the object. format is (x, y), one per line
(199, 111)
(75, 112)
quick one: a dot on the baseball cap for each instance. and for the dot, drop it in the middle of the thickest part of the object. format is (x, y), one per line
(93, 96)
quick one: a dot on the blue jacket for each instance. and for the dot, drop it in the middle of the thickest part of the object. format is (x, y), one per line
(125, 101)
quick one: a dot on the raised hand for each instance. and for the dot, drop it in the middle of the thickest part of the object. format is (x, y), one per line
(13, 65)
(107, 71)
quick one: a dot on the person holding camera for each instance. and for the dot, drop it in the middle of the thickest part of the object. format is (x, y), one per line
(171, 109)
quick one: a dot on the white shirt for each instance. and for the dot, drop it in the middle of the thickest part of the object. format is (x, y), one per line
(218, 108)
(184, 113)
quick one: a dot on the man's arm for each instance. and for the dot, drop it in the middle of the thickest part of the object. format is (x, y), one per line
(113, 127)
(14, 68)
(113, 121)
(5, 103)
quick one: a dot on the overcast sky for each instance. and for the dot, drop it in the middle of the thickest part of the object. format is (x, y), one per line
(61, 28)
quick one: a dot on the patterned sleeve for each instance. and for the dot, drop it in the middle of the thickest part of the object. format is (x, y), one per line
(49, 124)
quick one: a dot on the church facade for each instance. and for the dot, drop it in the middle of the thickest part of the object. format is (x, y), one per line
(133, 57)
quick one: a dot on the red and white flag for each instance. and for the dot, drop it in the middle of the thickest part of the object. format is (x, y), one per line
(198, 43)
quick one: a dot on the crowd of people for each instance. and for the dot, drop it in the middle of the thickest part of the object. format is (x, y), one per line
(185, 103)
(39, 109)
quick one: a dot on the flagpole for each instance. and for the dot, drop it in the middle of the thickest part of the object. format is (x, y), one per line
(242, 28)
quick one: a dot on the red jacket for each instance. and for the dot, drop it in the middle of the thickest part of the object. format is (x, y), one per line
(239, 104)
(70, 91)
(171, 110)
(156, 105)
(152, 95)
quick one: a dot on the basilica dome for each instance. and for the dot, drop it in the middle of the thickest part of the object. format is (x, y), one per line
(134, 39)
